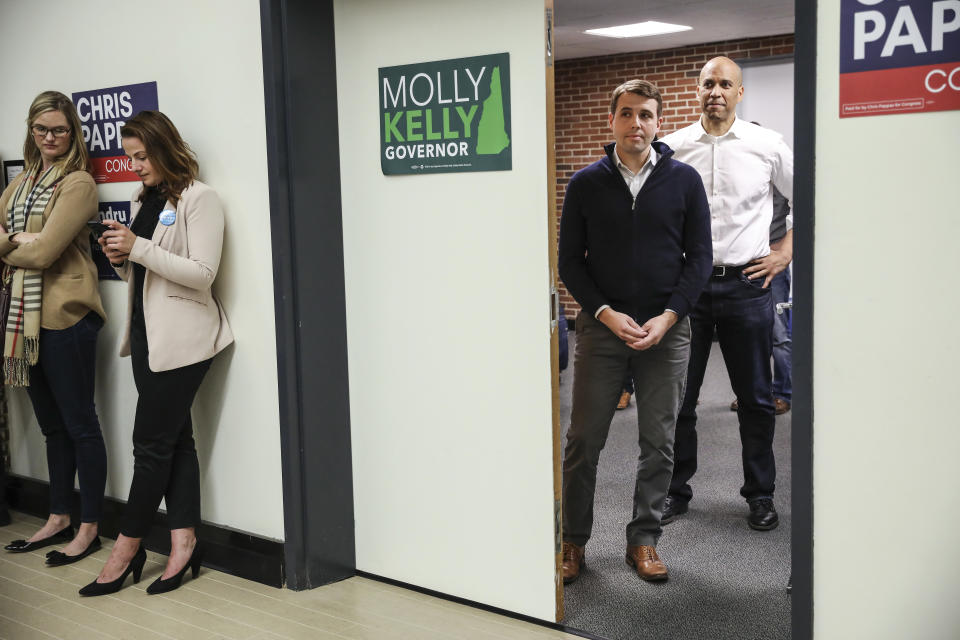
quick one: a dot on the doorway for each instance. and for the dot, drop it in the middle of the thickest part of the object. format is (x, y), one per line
(578, 102)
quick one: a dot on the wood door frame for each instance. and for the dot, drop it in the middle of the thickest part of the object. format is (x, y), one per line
(554, 304)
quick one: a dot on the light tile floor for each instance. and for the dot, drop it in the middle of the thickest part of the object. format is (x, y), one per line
(42, 603)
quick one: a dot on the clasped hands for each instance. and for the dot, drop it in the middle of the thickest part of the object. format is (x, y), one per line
(635, 336)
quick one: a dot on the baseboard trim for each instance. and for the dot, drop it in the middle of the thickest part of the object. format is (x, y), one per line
(236, 553)
(485, 607)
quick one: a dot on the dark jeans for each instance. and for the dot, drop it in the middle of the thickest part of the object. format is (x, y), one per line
(61, 391)
(782, 339)
(165, 456)
(601, 360)
(742, 312)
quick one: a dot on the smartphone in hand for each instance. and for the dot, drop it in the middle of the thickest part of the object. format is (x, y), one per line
(97, 228)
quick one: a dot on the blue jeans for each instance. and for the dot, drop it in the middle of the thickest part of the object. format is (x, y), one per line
(61, 391)
(782, 343)
(742, 313)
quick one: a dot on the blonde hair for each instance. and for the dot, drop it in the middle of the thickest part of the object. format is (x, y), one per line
(76, 158)
(169, 154)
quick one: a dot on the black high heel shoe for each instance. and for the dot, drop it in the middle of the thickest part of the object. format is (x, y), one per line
(22, 546)
(163, 586)
(103, 588)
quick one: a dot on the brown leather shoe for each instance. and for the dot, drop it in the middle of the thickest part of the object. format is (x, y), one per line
(645, 560)
(624, 400)
(572, 561)
(780, 406)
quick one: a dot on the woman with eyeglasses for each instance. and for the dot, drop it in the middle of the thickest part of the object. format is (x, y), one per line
(169, 256)
(55, 312)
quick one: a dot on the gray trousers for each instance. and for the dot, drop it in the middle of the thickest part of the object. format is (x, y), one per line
(601, 360)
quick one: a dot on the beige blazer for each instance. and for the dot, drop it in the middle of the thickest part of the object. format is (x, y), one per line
(185, 322)
(62, 251)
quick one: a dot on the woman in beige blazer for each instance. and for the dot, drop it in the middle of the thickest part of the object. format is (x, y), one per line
(50, 343)
(169, 256)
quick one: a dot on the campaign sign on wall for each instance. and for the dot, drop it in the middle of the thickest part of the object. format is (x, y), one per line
(103, 112)
(899, 56)
(119, 211)
(446, 116)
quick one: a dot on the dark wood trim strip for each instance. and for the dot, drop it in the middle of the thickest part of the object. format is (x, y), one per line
(240, 554)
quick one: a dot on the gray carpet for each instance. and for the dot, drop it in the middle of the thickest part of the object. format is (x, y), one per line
(726, 580)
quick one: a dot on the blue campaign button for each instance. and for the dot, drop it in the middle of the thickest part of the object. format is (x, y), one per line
(168, 217)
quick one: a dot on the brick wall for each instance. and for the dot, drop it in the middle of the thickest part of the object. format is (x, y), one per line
(582, 95)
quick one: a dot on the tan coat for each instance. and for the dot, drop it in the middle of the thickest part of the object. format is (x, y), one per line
(185, 322)
(62, 251)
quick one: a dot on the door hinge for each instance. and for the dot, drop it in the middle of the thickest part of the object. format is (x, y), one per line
(557, 521)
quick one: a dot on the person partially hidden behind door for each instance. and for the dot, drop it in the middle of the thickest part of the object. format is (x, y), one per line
(780, 286)
(635, 252)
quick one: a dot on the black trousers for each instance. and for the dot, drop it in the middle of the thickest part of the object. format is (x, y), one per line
(742, 312)
(165, 456)
(61, 391)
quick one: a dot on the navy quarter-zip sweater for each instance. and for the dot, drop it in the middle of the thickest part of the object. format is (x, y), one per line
(638, 256)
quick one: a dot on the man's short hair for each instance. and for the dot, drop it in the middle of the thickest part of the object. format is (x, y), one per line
(641, 88)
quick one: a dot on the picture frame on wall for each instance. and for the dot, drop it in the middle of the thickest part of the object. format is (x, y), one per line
(11, 169)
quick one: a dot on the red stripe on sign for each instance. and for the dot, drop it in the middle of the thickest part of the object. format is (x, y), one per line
(17, 323)
(934, 87)
(115, 169)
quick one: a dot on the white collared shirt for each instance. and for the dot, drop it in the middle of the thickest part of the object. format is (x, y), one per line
(635, 180)
(738, 169)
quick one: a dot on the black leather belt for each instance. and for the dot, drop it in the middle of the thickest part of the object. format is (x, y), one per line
(725, 271)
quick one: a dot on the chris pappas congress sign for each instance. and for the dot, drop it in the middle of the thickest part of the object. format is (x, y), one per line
(446, 116)
(103, 112)
(899, 56)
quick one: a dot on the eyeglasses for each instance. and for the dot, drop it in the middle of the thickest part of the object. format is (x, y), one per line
(41, 131)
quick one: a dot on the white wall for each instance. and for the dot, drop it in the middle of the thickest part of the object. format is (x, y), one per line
(768, 96)
(448, 321)
(886, 477)
(206, 59)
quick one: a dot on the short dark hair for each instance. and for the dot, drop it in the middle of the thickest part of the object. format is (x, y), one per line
(641, 88)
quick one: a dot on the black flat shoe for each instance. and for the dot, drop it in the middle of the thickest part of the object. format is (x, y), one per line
(173, 582)
(103, 588)
(58, 558)
(22, 546)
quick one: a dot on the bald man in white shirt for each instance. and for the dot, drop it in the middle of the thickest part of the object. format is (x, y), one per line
(740, 163)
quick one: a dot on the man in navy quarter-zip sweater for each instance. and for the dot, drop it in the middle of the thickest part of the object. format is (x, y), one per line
(635, 252)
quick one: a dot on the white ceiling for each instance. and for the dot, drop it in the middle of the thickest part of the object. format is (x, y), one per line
(712, 21)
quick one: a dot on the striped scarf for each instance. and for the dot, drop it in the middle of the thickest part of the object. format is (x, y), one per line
(21, 346)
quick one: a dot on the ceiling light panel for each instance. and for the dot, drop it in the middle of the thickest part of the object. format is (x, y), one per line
(638, 30)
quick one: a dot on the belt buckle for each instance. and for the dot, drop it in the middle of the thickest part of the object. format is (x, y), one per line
(722, 273)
